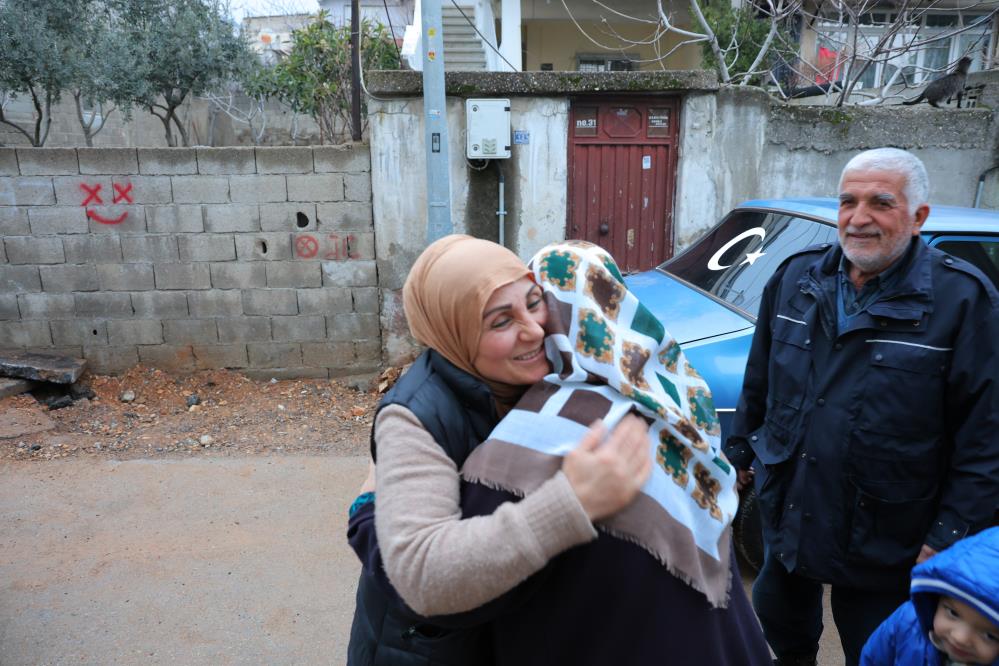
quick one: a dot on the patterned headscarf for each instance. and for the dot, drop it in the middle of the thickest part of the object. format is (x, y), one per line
(610, 357)
(446, 292)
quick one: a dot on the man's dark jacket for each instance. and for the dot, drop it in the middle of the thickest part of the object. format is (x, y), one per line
(879, 438)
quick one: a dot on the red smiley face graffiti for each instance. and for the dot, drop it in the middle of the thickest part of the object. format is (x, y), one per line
(122, 192)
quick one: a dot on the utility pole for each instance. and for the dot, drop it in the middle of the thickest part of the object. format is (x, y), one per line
(355, 73)
(435, 123)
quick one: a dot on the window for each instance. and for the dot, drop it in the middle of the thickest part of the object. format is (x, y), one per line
(588, 63)
(984, 254)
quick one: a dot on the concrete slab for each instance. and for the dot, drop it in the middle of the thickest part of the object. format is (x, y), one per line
(197, 561)
(11, 386)
(42, 367)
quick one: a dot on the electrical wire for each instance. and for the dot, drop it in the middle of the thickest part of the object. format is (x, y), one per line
(398, 51)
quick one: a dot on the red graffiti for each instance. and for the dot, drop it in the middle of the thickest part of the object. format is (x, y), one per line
(104, 220)
(92, 193)
(306, 247)
(122, 192)
(334, 246)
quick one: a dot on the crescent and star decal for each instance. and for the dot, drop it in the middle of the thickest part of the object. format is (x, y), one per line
(750, 256)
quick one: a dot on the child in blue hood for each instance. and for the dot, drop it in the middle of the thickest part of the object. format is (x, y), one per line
(953, 617)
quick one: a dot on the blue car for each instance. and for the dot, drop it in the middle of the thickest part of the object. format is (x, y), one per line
(708, 295)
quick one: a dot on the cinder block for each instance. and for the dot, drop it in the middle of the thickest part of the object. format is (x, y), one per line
(149, 249)
(167, 161)
(177, 358)
(215, 303)
(207, 247)
(298, 328)
(328, 354)
(245, 329)
(361, 245)
(352, 326)
(8, 307)
(190, 331)
(26, 192)
(288, 217)
(365, 299)
(274, 354)
(24, 334)
(349, 274)
(92, 249)
(200, 189)
(220, 356)
(142, 189)
(182, 276)
(79, 332)
(69, 277)
(235, 275)
(357, 187)
(291, 159)
(294, 274)
(58, 220)
(257, 189)
(270, 302)
(127, 219)
(175, 219)
(47, 306)
(232, 217)
(34, 250)
(8, 162)
(135, 332)
(83, 190)
(19, 279)
(114, 161)
(324, 301)
(346, 216)
(266, 374)
(226, 160)
(341, 158)
(160, 304)
(368, 350)
(110, 360)
(14, 221)
(316, 187)
(100, 304)
(125, 277)
(260, 247)
(47, 161)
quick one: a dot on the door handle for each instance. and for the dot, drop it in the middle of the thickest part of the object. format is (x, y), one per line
(604, 228)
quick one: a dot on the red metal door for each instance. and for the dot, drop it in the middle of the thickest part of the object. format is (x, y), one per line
(622, 177)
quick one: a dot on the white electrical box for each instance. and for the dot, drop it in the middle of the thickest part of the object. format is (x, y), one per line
(488, 129)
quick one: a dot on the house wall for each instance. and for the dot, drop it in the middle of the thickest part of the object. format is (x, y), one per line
(735, 144)
(257, 259)
(559, 43)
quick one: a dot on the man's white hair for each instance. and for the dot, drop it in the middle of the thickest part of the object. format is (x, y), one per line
(895, 160)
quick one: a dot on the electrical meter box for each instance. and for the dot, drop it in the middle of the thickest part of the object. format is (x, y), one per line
(488, 129)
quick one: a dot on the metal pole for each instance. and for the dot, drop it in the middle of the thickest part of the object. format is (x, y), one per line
(355, 73)
(435, 123)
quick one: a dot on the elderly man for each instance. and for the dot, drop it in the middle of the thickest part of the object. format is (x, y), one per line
(870, 399)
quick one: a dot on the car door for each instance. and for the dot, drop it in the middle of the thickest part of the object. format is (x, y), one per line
(977, 249)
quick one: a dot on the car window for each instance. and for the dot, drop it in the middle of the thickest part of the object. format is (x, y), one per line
(983, 253)
(734, 261)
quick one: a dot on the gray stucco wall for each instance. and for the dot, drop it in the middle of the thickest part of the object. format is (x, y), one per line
(257, 259)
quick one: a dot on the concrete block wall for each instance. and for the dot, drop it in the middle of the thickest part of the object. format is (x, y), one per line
(259, 259)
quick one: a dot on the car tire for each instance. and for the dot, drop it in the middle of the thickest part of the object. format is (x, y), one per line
(747, 530)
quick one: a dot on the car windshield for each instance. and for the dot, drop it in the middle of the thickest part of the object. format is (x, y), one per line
(735, 259)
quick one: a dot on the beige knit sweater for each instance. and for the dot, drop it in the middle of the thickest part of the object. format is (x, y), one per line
(439, 563)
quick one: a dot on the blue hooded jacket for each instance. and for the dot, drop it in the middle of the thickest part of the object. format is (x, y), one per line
(967, 571)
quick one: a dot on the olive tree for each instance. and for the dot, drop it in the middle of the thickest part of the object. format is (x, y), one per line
(315, 77)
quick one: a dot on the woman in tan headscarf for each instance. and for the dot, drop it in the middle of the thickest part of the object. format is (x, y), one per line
(474, 304)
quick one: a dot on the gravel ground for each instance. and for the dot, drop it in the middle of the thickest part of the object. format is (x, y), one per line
(149, 413)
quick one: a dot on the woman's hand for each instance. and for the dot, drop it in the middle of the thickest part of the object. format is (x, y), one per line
(369, 483)
(606, 472)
